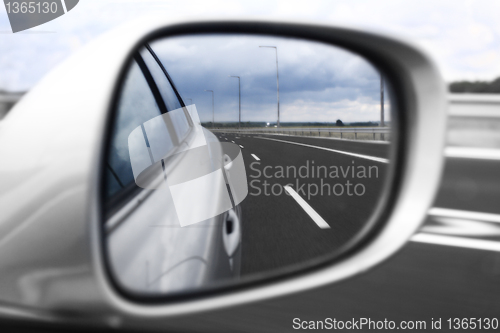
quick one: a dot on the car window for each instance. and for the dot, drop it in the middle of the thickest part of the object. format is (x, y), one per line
(167, 92)
(136, 106)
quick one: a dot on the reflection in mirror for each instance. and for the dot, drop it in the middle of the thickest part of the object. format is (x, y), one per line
(235, 158)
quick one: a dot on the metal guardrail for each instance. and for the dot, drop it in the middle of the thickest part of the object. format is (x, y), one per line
(474, 105)
(474, 121)
(309, 131)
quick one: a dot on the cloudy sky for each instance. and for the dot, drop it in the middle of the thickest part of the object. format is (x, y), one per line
(318, 82)
(462, 36)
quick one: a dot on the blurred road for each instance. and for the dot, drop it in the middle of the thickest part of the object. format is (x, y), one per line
(451, 269)
(423, 281)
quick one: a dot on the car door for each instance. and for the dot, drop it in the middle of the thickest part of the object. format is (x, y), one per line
(153, 134)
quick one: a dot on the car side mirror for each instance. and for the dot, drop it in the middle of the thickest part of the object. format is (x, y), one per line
(155, 194)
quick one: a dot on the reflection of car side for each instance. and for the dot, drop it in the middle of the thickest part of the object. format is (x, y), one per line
(146, 245)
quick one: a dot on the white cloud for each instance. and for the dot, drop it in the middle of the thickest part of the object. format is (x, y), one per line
(463, 36)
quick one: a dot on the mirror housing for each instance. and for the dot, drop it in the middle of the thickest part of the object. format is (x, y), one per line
(56, 228)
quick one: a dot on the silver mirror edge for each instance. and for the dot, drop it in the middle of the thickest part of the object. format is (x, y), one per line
(425, 100)
(89, 290)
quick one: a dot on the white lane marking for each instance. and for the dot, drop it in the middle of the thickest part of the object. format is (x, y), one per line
(241, 146)
(233, 142)
(64, 6)
(464, 215)
(377, 159)
(450, 226)
(253, 155)
(236, 137)
(478, 244)
(473, 153)
(225, 138)
(308, 209)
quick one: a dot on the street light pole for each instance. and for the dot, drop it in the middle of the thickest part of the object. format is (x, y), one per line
(382, 136)
(213, 112)
(382, 124)
(277, 80)
(239, 94)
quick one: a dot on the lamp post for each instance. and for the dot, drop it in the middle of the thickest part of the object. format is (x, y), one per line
(213, 112)
(239, 94)
(277, 80)
(382, 124)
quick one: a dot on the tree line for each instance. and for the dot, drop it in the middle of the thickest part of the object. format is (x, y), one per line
(476, 87)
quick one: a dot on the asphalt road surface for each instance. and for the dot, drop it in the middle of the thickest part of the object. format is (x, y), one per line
(426, 280)
(343, 190)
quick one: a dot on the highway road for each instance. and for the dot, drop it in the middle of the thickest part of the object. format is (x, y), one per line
(451, 271)
(278, 231)
(273, 220)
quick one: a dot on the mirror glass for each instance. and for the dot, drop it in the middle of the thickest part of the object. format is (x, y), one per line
(236, 158)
